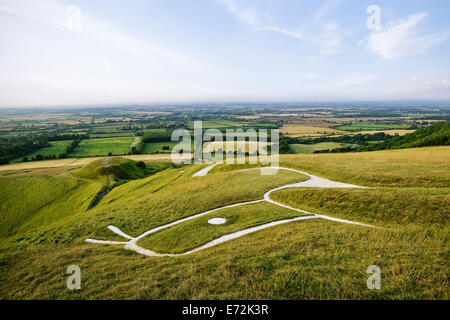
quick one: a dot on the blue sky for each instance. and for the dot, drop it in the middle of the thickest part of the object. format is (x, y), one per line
(56, 52)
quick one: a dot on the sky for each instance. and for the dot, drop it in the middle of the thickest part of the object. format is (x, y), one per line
(87, 52)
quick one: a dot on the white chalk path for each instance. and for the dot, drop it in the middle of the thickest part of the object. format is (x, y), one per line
(312, 182)
(204, 171)
(135, 142)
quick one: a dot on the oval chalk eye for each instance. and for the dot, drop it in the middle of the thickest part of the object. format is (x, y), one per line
(217, 221)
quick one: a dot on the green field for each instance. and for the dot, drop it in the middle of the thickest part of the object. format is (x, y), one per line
(56, 148)
(111, 135)
(311, 259)
(310, 148)
(103, 146)
(157, 147)
(371, 126)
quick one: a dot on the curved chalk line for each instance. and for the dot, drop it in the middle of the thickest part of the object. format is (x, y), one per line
(312, 182)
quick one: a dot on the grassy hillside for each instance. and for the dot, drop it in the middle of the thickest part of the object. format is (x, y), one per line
(378, 205)
(437, 134)
(30, 202)
(38, 198)
(175, 194)
(313, 259)
(418, 167)
(116, 167)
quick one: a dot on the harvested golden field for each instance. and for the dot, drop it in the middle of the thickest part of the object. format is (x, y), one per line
(78, 162)
(249, 146)
(400, 132)
(6, 126)
(298, 130)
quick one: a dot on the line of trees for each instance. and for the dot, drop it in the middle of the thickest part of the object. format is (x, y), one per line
(437, 134)
(16, 147)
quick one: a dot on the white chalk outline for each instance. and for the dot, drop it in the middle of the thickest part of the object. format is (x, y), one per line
(312, 182)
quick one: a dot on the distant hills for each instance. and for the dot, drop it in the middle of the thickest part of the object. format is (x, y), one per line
(437, 134)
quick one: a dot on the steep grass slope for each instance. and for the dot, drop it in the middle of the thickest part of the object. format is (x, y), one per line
(116, 167)
(437, 134)
(30, 202)
(39, 198)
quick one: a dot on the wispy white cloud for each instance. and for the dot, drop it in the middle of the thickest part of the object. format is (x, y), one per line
(325, 9)
(285, 31)
(108, 66)
(315, 28)
(54, 13)
(400, 39)
(242, 10)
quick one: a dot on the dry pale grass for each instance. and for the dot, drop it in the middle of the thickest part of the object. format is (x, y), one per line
(248, 117)
(431, 155)
(424, 167)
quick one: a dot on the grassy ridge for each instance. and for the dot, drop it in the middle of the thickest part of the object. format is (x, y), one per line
(37, 199)
(30, 202)
(435, 135)
(314, 259)
(424, 167)
(118, 168)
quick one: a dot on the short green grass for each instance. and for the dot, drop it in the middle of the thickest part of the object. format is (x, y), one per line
(175, 194)
(198, 231)
(29, 202)
(313, 259)
(103, 147)
(310, 148)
